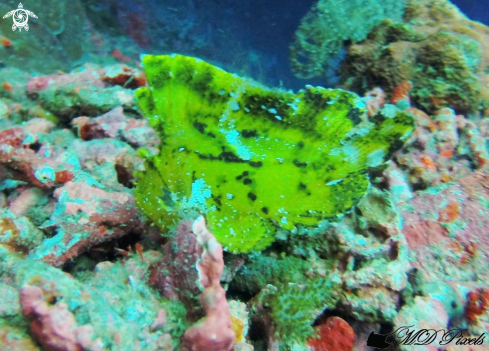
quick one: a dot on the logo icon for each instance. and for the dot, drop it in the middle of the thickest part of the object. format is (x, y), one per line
(21, 17)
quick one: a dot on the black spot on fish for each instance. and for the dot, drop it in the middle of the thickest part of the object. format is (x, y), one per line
(217, 199)
(378, 119)
(242, 175)
(249, 133)
(264, 210)
(354, 115)
(166, 198)
(202, 80)
(251, 196)
(185, 73)
(228, 156)
(302, 186)
(247, 181)
(394, 146)
(200, 126)
(299, 164)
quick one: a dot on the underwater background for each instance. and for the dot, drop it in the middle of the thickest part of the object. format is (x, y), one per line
(253, 175)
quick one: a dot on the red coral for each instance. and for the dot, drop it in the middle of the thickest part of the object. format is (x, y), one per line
(449, 213)
(469, 252)
(401, 92)
(334, 335)
(12, 136)
(125, 76)
(428, 163)
(64, 176)
(6, 42)
(477, 303)
(175, 275)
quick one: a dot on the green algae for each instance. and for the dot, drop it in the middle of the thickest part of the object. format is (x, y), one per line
(253, 158)
(293, 291)
(294, 306)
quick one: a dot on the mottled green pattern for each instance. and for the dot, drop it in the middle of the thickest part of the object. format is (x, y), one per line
(253, 158)
(328, 26)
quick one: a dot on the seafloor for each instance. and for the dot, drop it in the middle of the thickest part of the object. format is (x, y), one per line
(215, 176)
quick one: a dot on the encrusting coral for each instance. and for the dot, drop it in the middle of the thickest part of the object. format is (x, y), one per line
(224, 140)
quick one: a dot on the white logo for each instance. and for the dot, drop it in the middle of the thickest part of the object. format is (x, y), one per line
(20, 17)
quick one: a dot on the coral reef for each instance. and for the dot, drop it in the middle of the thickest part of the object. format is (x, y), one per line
(444, 146)
(428, 42)
(326, 27)
(174, 276)
(383, 221)
(435, 46)
(86, 216)
(67, 314)
(88, 92)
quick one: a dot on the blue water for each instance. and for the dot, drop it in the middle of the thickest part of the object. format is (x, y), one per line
(477, 10)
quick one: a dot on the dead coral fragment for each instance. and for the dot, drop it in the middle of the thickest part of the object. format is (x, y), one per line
(80, 212)
(54, 327)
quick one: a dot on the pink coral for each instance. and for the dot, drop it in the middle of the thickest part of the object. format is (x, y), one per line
(86, 78)
(86, 216)
(215, 331)
(174, 275)
(54, 327)
(375, 100)
(114, 124)
(104, 126)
